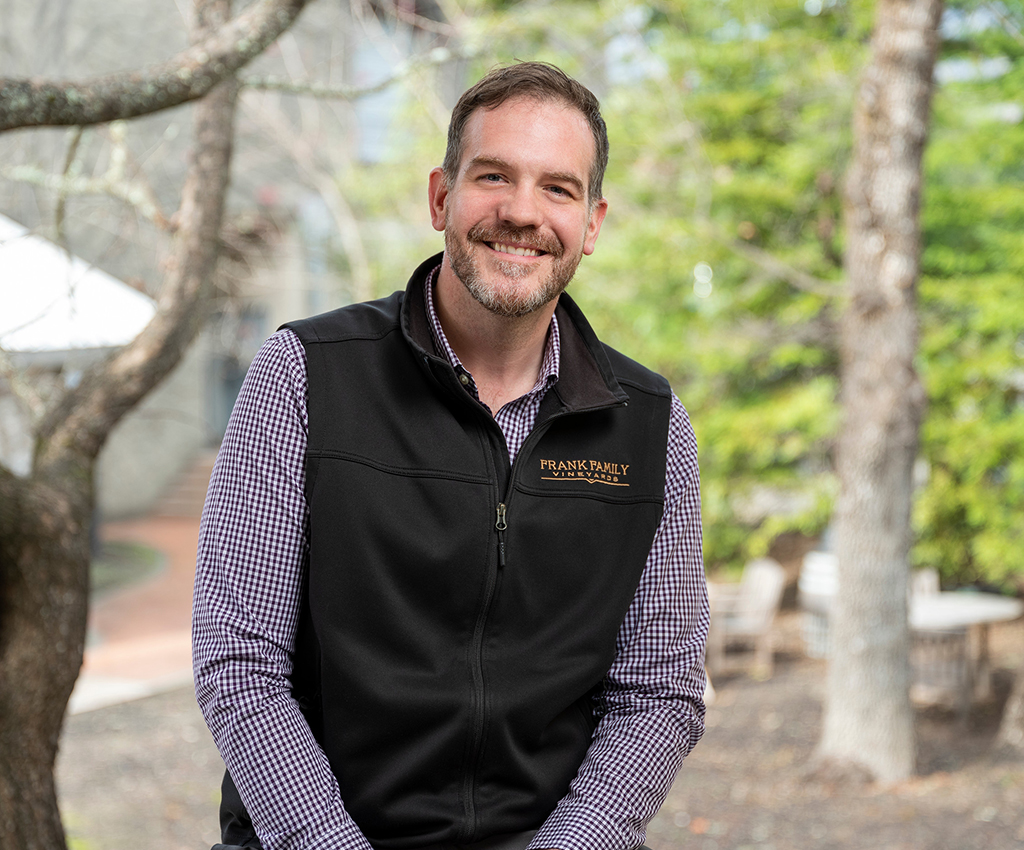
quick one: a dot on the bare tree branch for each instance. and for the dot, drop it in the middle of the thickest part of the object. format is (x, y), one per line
(87, 413)
(22, 386)
(136, 193)
(410, 69)
(452, 11)
(437, 56)
(1009, 25)
(69, 162)
(186, 77)
(424, 23)
(321, 179)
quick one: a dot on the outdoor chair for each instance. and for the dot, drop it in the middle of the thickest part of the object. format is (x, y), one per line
(742, 617)
(816, 589)
(940, 668)
(924, 582)
(940, 663)
(941, 671)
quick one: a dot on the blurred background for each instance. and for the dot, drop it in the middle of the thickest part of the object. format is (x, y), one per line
(720, 265)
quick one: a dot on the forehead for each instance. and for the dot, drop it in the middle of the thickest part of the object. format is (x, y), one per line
(530, 132)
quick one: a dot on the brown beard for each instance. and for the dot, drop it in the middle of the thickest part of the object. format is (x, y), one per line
(514, 297)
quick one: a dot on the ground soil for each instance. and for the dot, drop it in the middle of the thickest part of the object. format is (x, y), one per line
(145, 774)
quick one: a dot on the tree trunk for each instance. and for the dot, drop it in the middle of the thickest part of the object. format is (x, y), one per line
(215, 56)
(1010, 740)
(868, 719)
(44, 519)
(44, 553)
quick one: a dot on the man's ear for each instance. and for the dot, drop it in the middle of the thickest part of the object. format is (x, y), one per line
(594, 225)
(437, 190)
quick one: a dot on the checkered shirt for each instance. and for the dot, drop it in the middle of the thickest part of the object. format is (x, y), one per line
(253, 552)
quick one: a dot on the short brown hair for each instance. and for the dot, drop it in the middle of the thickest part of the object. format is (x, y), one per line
(538, 80)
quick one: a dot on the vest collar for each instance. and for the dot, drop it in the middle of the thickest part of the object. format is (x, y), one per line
(585, 381)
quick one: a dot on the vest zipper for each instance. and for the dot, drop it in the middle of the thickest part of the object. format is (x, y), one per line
(501, 525)
(480, 685)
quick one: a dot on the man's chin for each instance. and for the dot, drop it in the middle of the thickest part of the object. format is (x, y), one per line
(517, 271)
(513, 310)
(513, 302)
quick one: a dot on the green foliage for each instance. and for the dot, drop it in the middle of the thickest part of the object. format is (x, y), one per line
(969, 514)
(742, 141)
(730, 136)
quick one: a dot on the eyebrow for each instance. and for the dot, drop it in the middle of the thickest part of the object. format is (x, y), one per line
(496, 162)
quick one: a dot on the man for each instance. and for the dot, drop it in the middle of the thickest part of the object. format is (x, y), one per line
(449, 590)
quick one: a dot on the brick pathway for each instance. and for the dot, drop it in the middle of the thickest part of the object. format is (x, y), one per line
(139, 636)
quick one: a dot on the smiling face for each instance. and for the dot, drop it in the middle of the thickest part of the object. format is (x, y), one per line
(517, 219)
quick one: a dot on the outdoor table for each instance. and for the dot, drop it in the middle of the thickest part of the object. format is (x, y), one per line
(966, 609)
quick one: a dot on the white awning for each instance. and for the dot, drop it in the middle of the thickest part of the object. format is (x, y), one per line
(50, 301)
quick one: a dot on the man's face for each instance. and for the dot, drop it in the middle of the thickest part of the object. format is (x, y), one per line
(517, 219)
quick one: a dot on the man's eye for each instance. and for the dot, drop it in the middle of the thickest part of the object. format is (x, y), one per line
(491, 178)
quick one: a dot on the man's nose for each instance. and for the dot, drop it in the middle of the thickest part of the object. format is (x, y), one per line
(521, 207)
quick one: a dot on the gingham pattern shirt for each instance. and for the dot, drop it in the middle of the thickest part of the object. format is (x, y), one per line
(253, 551)
(517, 417)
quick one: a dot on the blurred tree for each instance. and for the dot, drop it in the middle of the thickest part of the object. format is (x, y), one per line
(868, 717)
(1010, 738)
(45, 517)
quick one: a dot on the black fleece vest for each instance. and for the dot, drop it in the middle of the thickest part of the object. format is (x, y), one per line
(466, 611)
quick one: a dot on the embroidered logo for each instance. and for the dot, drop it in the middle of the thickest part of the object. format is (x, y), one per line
(591, 471)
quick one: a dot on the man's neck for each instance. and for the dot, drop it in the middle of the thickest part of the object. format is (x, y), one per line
(503, 354)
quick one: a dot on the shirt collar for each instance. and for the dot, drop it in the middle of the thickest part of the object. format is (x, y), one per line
(548, 373)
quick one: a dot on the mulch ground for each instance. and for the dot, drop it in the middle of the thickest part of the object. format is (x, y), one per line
(145, 774)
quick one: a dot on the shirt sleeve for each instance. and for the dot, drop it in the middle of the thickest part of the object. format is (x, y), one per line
(651, 707)
(250, 569)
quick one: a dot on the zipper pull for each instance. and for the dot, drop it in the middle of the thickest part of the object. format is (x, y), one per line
(501, 525)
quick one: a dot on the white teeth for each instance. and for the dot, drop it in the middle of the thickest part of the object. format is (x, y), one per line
(519, 252)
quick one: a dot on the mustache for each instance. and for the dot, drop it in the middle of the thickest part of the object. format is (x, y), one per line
(527, 237)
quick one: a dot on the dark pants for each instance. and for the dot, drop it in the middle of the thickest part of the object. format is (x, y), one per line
(518, 841)
(238, 833)
(510, 841)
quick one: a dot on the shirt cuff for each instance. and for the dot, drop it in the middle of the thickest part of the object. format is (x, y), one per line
(575, 827)
(345, 836)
